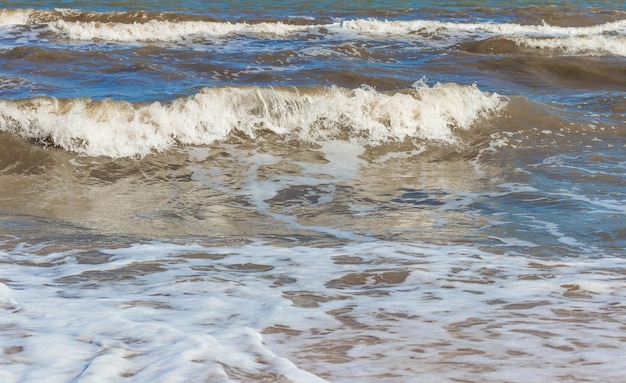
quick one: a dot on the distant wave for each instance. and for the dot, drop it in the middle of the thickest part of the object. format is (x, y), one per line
(593, 45)
(315, 114)
(588, 46)
(608, 38)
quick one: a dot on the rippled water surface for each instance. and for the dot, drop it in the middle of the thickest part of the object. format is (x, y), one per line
(331, 191)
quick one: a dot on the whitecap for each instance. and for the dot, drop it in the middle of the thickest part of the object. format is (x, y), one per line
(363, 115)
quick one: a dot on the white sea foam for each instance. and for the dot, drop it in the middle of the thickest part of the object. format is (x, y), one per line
(6, 295)
(15, 16)
(117, 129)
(372, 312)
(607, 38)
(404, 27)
(592, 45)
(154, 30)
(601, 39)
(159, 30)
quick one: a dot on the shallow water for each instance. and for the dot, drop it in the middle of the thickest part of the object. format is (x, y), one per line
(379, 191)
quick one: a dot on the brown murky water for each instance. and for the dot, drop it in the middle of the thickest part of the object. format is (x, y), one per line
(305, 193)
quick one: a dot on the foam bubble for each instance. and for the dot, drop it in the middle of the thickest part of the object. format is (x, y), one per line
(117, 128)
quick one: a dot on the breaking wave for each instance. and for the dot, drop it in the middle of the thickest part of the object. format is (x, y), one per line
(315, 114)
(608, 38)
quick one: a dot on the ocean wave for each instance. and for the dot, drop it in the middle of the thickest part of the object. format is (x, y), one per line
(144, 26)
(15, 16)
(602, 39)
(154, 30)
(315, 114)
(165, 30)
(577, 45)
(401, 27)
(588, 46)
(140, 27)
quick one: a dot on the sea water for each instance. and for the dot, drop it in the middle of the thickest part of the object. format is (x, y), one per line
(331, 191)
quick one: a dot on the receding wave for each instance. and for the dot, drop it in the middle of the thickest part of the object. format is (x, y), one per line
(608, 38)
(316, 114)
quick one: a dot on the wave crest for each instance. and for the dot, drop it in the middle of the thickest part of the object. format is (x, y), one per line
(317, 114)
(608, 38)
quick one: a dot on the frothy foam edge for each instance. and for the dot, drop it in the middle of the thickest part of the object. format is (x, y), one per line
(157, 30)
(578, 45)
(15, 16)
(154, 30)
(606, 38)
(318, 114)
(162, 321)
